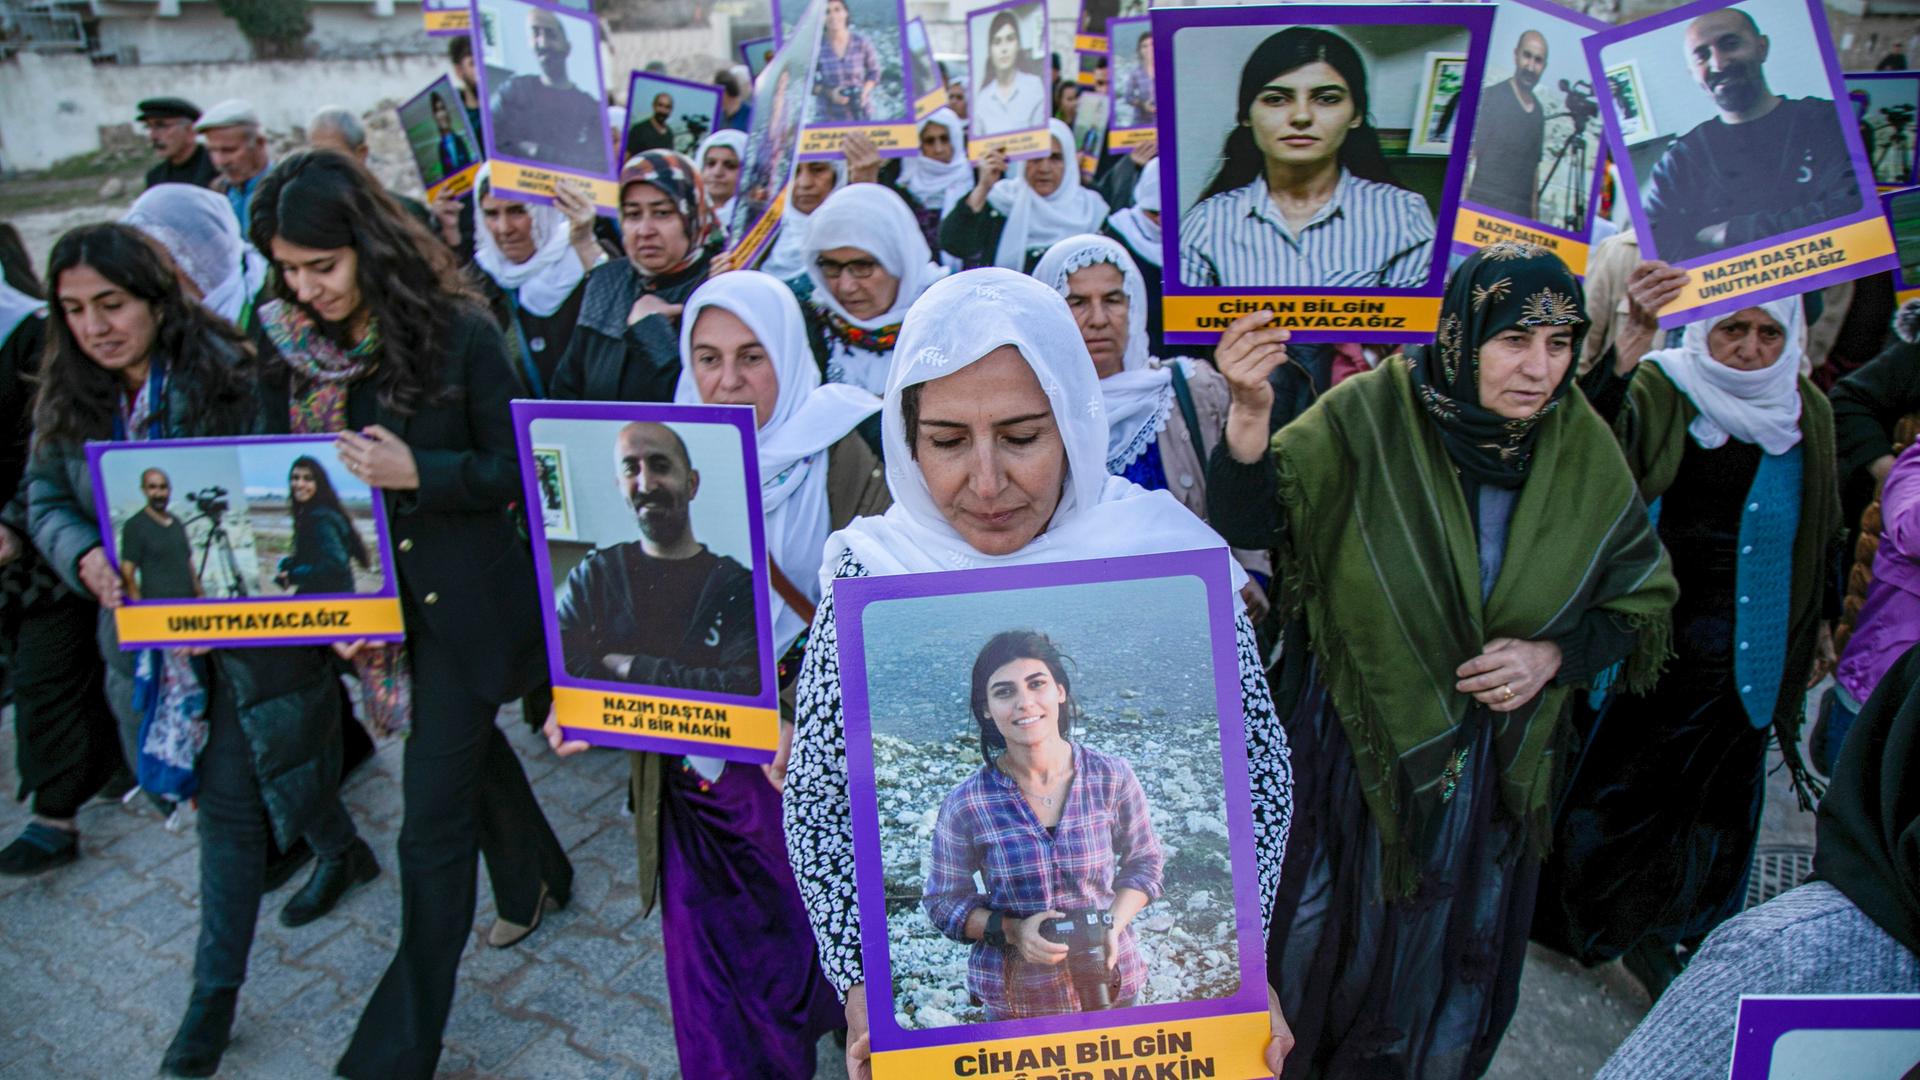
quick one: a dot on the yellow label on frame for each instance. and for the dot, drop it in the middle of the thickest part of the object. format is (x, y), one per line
(826, 140)
(1356, 314)
(930, 102)
(533, 180)
(1475, 229)
(201, 623)
(743, 726)
(1783, 263)
(447, 22)
(456, 185)
(1217, 1046)
(1092, 43)
(1128, 138)
(1036, 141)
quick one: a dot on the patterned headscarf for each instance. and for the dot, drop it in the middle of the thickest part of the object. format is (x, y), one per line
(675, 175)
(1497, 288)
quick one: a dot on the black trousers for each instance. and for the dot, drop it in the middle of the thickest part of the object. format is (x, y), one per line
(466, 795)
(65, 742)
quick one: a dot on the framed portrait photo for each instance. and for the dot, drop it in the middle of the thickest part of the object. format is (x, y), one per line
(265, 540)
(780, 102)
(1630, 106)
(1375, 270)
(1536, 162)
(654, 575)
(664, 113)
(956, 685)
(1902, 207)
(1134, 116)
(446, 150)
(1816, 1037)
(1884, 104)
(929, 85)
(1007, 72)
(862, 81)
(1752, 176)
(757, 53)
(542, 101)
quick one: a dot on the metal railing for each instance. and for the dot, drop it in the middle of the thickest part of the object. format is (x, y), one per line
(38, 25)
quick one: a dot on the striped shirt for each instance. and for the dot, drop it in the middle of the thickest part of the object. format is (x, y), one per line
(1103, 843)
(1368, 235)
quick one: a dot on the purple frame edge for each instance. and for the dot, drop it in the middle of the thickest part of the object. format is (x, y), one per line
(907, 96)
(636, 76)
(1763, 1019)
(1046, 49)
(486, 113)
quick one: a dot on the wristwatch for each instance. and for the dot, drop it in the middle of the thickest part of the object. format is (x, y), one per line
(994, 934)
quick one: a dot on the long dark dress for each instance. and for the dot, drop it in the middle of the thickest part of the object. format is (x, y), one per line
(321, 561)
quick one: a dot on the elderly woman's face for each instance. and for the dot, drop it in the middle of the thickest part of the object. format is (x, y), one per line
(652, 228)
(858, 281)
(1097, 296)
(1301, 117)
(936, 142)
(730, 366)
(1748, 340)
(1024, 701)
(1043, 175)
(991, 452)
(720, 174)
(1520, 367)
(510, 225)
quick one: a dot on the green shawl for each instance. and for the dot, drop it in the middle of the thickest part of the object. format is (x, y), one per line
(1653, 432)
(1381, 555)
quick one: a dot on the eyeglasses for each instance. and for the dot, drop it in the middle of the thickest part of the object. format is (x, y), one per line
(861, 269)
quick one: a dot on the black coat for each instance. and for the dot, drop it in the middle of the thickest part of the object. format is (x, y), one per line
(465, 571)
(607, 360)
(1867, 405)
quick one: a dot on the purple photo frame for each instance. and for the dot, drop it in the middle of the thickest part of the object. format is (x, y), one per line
(894, 137)
(435, 15)
(977, 64)
(1911, 78)
(740, 419)
(687, 86)
(750, 48)
(321, 447)
(1765, 1019)
(1622, 155)
(1418, 304)
(1887, 198)
(772, 154)
(457, 183)
(1122, 140)
(853, 596)
(1588, 25)
(605, 185)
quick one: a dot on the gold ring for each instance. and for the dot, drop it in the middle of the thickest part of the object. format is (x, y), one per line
(1508, 687)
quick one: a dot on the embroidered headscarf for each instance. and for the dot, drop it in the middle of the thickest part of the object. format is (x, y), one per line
(675, 176)
(1499, 287)
(1139, 396)
(1761, 407)
(788, 257)
(1038, 221)
(959, 320)
(871, 218)
(935, 184)
(199, 231)
(550, 274)
(806, 420)
(1142, 233)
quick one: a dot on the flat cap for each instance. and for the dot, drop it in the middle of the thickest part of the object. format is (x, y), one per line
(233, 112)
(162, 107)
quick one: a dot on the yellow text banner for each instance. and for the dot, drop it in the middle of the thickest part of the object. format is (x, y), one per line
(1037, 141)
(1358, 314)
(1479, 230)
(1092, 43)
(1782, 264)
(1228, 1047)
(827, 140)
(929, 103)
(456, 185)
(533, 180)
(447, 22)
(1128, 138)
(617, 713)
(263, 621)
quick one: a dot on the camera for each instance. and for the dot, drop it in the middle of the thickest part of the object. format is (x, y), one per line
(211, 501)
(1898, 117)
(1084, 933)
(1579, 102)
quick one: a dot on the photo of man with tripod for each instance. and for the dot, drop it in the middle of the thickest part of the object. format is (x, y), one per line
(1884, 105)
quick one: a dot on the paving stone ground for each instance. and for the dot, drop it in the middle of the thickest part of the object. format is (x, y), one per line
(95, 959)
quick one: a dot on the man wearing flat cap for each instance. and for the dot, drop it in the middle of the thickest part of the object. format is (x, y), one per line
(169, 124)
(238, 146)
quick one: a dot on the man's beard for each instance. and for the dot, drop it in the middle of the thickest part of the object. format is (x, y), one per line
(664, 529)
(553, 64)
(158, 503)
(1527, 79)
(1736, 89)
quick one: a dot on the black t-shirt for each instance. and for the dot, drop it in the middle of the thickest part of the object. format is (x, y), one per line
(162, 555)
(642, 136)
(554, 125)
(198, 171)
(689, 624)
(1507, 140)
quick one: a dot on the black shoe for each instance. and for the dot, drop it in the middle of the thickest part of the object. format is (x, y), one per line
(282, 867)
(331, 880)
(38, 849)
(204, 1032)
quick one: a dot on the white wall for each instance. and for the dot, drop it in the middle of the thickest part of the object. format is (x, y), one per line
(144, 33)
(73, 98)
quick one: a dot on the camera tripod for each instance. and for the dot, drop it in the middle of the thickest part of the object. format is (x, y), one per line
(218, 542)
(1901, 149)
(1578, 176)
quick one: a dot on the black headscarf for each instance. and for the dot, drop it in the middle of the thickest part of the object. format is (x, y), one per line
(1498, 287)
(1868, 833)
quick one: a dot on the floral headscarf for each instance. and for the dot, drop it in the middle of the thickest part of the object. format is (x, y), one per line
(675, 175)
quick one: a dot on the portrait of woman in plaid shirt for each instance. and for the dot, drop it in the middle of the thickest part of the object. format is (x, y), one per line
(1053, 828)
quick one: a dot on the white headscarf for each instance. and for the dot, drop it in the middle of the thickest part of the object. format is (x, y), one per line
(199, 231)
(874, 219)
(15, 307)
(788, 259)
(938, 186)
(1141, 232)
(1041, 221)
(959, 320)
(733, 140)
(1761, 407)
(807, 419)
(550, 274)
(1139, 396)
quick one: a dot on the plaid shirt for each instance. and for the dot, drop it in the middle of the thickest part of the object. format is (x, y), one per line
(1104, 842)
(855, 68)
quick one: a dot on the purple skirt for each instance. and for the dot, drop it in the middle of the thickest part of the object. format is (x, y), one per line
(749, 998)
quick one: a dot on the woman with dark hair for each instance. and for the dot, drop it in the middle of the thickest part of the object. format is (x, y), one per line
(1009, 97)
(1304, 196)
(1038, 787)
(325, 545)
(1066, 101)
(372, 335)
(133, 359)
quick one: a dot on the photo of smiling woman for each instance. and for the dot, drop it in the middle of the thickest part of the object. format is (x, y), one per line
(325, 545)
(1042, 857)
(1303, 195)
